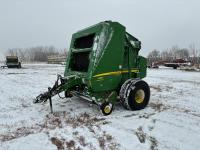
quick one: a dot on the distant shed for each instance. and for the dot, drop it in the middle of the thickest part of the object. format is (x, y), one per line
(56, 59)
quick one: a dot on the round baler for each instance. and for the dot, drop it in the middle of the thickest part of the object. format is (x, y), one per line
(103, 66)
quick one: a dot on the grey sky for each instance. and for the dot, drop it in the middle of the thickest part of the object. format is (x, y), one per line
(158, 24)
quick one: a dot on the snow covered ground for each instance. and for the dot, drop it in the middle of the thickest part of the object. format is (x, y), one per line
(171, 120)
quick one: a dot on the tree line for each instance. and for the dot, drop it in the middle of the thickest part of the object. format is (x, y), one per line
(37, 54)
(191, 54)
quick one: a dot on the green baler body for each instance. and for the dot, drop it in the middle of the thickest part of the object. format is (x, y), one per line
(103, 57)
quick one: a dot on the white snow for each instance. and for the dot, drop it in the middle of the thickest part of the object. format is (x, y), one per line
(171, 120)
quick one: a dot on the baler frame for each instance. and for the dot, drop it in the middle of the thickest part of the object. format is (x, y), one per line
(90, 73)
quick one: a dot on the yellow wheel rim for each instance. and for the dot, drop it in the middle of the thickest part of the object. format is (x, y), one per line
(139, 96)
(107, 109)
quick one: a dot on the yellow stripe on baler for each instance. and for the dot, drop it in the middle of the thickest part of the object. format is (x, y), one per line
(116, 73)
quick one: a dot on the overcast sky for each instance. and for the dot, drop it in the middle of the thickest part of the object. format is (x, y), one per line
(159, 24)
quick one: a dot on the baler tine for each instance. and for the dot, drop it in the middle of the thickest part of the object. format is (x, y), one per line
(103, 65)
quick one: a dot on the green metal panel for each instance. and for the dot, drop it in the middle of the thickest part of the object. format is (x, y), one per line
(93, 29)
(142, 63)
(109, 58)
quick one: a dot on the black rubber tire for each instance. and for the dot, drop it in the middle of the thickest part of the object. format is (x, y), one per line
(68, 95)
(128, 100)
(102, 107)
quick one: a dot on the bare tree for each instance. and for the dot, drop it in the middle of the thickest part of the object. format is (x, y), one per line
(166, 55)
(194, 53)
(12, 52)
(182, 53)
(39, 53)
(153, 56)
